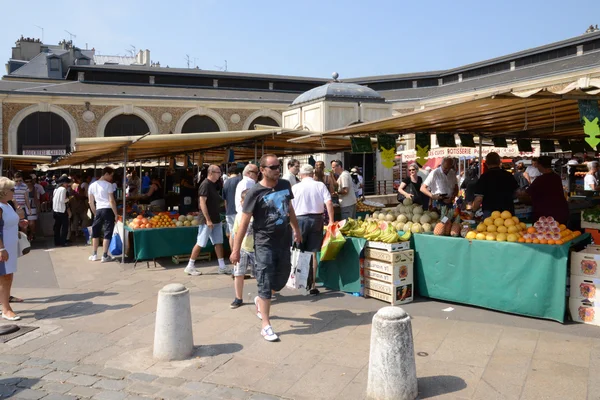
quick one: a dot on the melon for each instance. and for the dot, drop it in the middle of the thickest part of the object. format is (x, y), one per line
(434, 216)
(426, 227)
(187, 223)
(416, 218)
(179, 223)
(425, 219)
(182, 218)
(190, 218)
(407, 226)
(407, 201)
(389, 217)
(402, 218)
(416, 228)
(381, 216)
(195, 222)
(418, 210)
(400, 208)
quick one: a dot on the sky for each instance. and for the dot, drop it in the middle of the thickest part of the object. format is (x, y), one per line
(303, 38)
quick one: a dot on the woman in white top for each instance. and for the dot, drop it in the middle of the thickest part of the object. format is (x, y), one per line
(9, 235)
(590, 182)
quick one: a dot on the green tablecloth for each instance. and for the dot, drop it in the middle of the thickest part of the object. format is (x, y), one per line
(166, 242)
(343, 273)
(526, 279)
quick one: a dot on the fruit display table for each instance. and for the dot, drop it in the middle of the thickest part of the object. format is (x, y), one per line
(149, 244)
(343, 273)
(525, 279)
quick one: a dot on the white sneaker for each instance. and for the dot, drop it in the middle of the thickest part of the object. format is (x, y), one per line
(268, 334)
(107, 259)
(258, 314)
(223, 271)
(192, 271)
(93, 257)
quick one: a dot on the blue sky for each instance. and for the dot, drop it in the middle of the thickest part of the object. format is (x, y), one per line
(304, 38)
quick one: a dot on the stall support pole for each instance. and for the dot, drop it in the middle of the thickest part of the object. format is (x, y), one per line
(255, 152)
(124, 205)
(263, 149)
(480, 153)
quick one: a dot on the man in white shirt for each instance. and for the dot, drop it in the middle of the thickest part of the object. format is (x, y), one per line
(59, 207)
(345, 190)
(441, 185)
(293, 168)
(104, 207)
(249, 178)
(532, 171)
(310, 199)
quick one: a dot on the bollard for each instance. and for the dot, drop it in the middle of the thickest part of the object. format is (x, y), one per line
(173, 337)
(392, 370)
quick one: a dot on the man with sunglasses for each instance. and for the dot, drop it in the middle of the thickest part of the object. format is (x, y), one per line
(269, 203)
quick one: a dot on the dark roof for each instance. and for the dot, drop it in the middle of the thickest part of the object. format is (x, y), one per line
(37, 67)
(562, 65)
(73, 69)
(339, 91)
(75, 88)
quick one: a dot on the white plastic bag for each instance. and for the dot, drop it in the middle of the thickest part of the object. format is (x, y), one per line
(300, 270)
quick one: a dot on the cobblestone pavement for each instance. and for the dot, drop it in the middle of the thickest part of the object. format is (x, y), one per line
(96, 329)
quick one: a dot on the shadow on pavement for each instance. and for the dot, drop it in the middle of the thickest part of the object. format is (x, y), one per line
(325, 321)
(70, 297)
(73, 310)
(432, 386)
(212, 350)
(9, 388)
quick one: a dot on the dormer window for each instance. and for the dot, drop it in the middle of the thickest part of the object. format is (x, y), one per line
(54, 64)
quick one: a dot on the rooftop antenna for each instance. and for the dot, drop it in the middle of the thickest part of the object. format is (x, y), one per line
(72, 35)
(195, 63)
(42, 31)
(222, 68)
(187, 60)
(131, 51)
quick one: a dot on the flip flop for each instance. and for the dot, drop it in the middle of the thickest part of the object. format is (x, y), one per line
(13, 299)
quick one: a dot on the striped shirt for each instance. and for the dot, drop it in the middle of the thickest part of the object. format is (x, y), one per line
(21, 191)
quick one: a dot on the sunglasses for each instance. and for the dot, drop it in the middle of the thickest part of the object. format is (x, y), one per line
(18, 180)
(272, 167)
(412, 170)
(253, 172)
(12, 190)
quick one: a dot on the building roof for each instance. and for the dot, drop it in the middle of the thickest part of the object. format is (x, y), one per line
(120, 60)
(339, 91)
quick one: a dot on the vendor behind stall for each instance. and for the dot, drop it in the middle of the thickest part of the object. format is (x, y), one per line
(441, 185)
(495, 189)
(547, 194)
(156, 194)
(590, 182)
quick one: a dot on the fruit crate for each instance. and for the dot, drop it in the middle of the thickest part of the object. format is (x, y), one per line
(394, 295)
(396, 257)
(401, 274)
(584, 311)
(388, 246)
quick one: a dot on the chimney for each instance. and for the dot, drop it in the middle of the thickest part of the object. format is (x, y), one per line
(147, 58)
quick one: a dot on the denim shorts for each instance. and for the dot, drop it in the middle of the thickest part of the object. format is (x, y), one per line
(273, 267)
(103, 220)
(215, 234)
(247, 264)
(230, 220)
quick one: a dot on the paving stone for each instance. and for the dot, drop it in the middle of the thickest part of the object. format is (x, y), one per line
(134, 397)
(12, 358)
(37, 362)
(262, 396)
(82, 391)
(56, 396)
(139, 376)
(199, 387)
(29, 383)
(83, 380)
(34, 372)
(199, 397)
(58, 376)
(110, 395)
(112, 373)
(9, 368)
(11, 380)
(57, 387)
(63, 365)
(110, 384)
(170, 381)
(223, 392)
(172, 394)
(143, 388)
(29, 394)
(88, 369)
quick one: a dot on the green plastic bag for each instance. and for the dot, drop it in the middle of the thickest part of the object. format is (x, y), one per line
(332, 243)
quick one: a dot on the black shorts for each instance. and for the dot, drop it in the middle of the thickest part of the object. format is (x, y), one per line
(273, 267)
(104, 219)
(311, 228)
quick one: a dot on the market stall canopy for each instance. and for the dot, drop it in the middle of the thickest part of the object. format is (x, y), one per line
(211, 145)
(23, 163)
(549, 112)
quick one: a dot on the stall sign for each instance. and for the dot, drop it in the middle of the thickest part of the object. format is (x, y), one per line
(422, 146)
(361, 145)
(590, 114)
(387, 146)
(44, 152)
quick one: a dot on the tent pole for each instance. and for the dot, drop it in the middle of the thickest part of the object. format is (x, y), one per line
(480, 153)
(124, 205)
(255, 152)
(263, 149)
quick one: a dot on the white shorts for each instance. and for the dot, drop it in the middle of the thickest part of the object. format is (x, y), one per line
(230, 220)
(215, 234)
(33, 214)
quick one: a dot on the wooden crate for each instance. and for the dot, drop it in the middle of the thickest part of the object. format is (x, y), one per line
(393, 300)
(394, 258)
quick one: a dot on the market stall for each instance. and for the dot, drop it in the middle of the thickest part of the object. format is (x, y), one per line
(343, 273)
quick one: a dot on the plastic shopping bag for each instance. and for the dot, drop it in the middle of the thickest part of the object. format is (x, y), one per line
(116, 243)
(300, 270)
(332, 243)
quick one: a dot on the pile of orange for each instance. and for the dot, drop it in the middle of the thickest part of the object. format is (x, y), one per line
(162, 220)
(566, 235)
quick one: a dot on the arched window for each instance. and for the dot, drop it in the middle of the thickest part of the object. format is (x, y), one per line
(126, 125)
(263, 121)
(43, 130)
(200, 123)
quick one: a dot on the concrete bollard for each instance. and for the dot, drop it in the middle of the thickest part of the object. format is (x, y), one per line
(392, 370)
(173, 337)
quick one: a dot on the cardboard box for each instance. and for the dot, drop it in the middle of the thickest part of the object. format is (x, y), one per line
(396, 298)
(586, 262)
(582, 287)
(397, 257)
(388, 246)
(585, 311)
(394, 274)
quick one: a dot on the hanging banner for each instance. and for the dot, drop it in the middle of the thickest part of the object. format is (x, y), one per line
(512, 151)
(422, 146)
(361, 145)
(446, 139)
(499, 142)
(524, 145)
(590, 117)
(387, 147)
(547, 146)
(466, 140)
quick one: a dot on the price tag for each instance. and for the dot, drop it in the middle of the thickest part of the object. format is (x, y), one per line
(444, 220)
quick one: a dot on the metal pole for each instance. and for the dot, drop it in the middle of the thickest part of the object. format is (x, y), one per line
(263, 149)
(255, 151)
(480, 153)
(124, 205)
